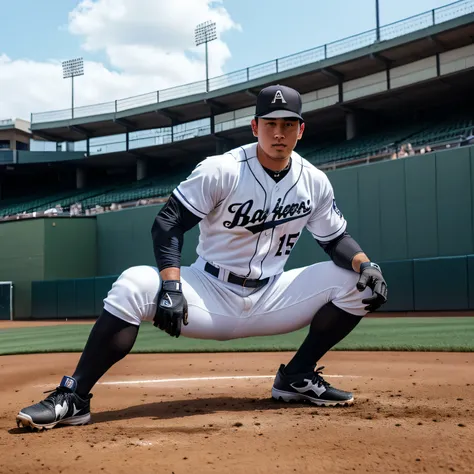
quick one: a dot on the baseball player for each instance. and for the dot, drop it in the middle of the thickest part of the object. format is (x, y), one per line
(251, 205)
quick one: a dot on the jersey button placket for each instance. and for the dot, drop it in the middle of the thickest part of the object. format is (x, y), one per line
(273, 200)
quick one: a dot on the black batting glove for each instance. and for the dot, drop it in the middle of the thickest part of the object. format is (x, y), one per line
(172, 308)
(371, 276)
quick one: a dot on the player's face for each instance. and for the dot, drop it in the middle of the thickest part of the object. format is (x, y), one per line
(277, 137)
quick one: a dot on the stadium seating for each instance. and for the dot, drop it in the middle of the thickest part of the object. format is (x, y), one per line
(363, 146)
(306, 148)
(23, 205)
(447, 131)
(153, 187)
(385, 143)
(418, 135)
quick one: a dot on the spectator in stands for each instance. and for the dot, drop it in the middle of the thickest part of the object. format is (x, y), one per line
(402, 152)
(75, 209)
(51, 212)
(424, 150)
(468, 140)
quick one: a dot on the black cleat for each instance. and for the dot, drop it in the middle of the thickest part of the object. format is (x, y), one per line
(308, 387)
(63, 406)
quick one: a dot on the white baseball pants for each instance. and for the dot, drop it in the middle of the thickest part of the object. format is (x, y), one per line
(220, 310)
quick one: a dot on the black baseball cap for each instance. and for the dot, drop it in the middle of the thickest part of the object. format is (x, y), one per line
(279, 102)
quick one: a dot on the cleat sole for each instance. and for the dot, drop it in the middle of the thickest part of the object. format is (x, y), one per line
(27, 422)
(290, 397)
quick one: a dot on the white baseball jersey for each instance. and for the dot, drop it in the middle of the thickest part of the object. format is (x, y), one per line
(249, 222)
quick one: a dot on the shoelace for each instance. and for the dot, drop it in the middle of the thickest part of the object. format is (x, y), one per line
(58, 389)
(318, 379)
(57, 395)
(64, 392)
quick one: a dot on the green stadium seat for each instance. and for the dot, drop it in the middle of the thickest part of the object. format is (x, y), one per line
(364, 146)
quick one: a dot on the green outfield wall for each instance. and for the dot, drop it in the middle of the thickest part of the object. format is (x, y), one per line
(417, 207)
(70, 248)
(414, 215)
(124, 240)
(426, 284)
(22, 260)
(44, 249)
(420, 206)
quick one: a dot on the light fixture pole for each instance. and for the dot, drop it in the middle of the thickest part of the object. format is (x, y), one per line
(204, 33)
(377, 19)
(71, 69)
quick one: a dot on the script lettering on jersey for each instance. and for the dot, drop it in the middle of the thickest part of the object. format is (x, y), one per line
(244, 215)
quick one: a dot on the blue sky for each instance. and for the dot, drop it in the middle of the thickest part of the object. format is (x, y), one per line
(271, 31)
(267, 30)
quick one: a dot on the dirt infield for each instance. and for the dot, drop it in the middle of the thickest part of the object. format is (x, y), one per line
(414, 412)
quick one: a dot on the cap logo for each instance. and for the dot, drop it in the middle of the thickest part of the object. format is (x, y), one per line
(278, 96)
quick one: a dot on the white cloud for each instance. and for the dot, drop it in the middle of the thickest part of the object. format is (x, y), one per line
(149, 45)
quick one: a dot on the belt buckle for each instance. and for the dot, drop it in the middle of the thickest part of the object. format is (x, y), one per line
(245, 281)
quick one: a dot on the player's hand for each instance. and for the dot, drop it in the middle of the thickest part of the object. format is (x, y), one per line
(172, 308)
(371, 276)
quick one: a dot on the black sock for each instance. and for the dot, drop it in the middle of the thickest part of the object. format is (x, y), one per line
(110, 340)
(329, 326)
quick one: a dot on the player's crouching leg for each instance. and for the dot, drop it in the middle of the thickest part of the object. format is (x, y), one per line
(297, 381)
(348, 297)
(131, 299)
(133, 295)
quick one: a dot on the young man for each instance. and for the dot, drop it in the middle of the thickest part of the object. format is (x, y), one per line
(251, 203)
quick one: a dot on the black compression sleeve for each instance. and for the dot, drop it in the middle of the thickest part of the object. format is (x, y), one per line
(168, 233)
(342, 250)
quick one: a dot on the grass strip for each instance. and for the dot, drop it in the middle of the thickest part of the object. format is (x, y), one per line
(384, 334)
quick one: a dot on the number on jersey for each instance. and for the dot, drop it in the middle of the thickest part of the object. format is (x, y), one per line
(287, 242)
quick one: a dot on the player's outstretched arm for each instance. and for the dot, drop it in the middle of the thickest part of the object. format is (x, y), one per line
(168, 230)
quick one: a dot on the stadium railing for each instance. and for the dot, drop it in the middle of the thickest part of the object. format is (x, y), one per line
(314, 55)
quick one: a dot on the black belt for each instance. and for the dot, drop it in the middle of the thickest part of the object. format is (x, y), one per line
(232, 278)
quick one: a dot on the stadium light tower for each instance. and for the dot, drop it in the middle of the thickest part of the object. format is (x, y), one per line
(204, 33)
(71, 69)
